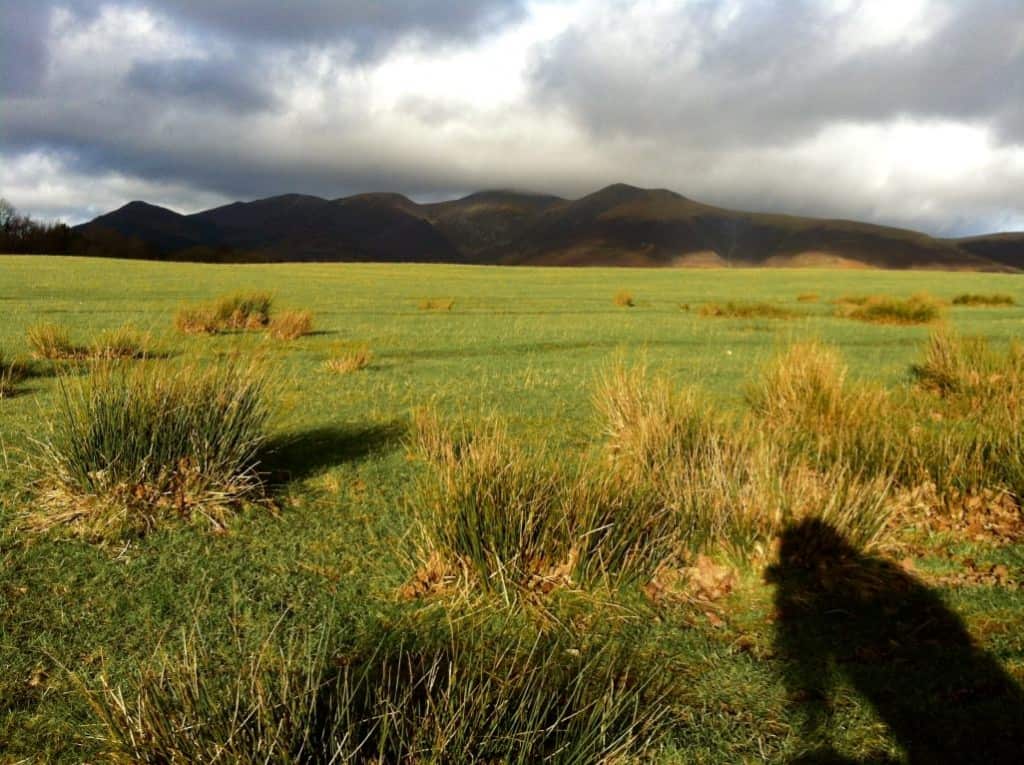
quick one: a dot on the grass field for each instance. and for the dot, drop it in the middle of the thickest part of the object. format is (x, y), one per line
(524, 346)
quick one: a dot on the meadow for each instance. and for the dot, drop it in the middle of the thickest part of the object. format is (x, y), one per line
(387, 423)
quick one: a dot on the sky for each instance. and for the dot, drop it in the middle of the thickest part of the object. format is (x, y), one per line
(904, 112)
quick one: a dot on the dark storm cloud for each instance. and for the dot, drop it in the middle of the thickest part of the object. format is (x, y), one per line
(777, 71)
(23, 52)
(225, 84)
(736, 103)
(370, 24)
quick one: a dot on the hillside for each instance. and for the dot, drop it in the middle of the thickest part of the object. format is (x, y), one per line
(620, 226)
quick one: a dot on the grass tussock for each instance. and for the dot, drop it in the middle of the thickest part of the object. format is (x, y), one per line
(515, 520)
(291, 325)
(129, 447)
(348, 359)
(624, 299)
(746, 310)
(808, 297)
(968, 371)
(123, 343)
(883, 309)
(725, 483)
(242, 311)
(192, 320)
(13, 372)
(52, 342)
(437, 304)
(458, 692)
(993, 299)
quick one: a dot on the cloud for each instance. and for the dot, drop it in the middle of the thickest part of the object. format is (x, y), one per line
(907, 113)
(775, 71)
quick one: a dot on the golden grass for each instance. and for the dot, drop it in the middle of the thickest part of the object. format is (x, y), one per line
(53, 343)
(746, 310)
(345, 360)
(921, 308)
(624, 299)
(291, 325)
(808, 297)
(123, 343)
(437, 304)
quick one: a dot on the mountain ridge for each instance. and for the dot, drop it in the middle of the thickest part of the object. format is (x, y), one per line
(619, 225)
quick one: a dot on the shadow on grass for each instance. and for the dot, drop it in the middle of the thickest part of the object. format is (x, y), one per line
(295, 456)
(847, 617)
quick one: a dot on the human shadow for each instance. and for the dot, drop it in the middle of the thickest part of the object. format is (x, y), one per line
(847, 616)
(295, 456)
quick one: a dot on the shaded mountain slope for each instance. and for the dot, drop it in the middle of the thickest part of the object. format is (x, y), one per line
(618, 225)
(1007, 248)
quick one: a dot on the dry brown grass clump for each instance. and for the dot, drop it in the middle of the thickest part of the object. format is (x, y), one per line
(808, 297)
(345, 360)
(437, 304)
(921, 308)
(624, 299)
(291, 325)
(993, 299)
(746, 310)
(53, 343)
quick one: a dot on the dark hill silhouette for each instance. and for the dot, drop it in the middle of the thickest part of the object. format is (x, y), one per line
(618, 225)
(1007, 248)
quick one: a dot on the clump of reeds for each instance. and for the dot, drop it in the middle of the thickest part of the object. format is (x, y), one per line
(437, 304)
(991, 299)
(808, 297)
(514, 520)
(346, 359)
(201, 320)
(131, 446)
(53, 343)
(921, 308)
(624, 299)
(291, 325)
(13, 372)
(726, 483)
(123, 343)
(746, 310)
(457, 692)
(242, 311)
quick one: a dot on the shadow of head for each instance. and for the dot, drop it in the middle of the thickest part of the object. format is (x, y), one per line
(848, 617)
(295, 456)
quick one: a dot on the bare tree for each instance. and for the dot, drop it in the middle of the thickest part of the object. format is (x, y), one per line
(8, 214)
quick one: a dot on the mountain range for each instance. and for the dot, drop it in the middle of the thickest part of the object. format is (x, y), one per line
(617, 226)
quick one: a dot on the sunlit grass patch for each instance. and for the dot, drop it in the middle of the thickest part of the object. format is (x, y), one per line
(241, 311)
(129, 447)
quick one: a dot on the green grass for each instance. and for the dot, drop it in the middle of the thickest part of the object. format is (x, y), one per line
(526, 346)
